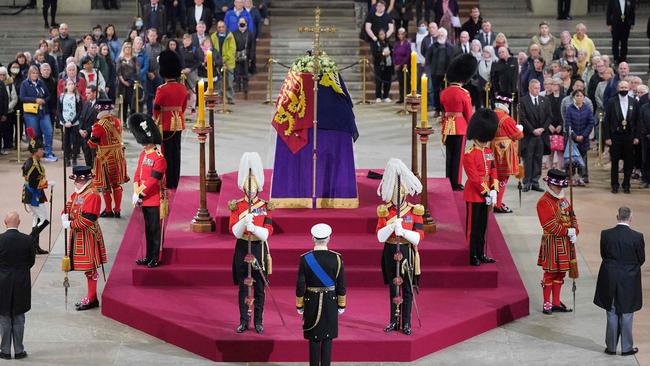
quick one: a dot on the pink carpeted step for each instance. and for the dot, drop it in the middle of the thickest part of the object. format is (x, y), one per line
(432, 277)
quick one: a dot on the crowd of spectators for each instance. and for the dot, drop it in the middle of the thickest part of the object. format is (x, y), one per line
(50, 85)
(566, 78)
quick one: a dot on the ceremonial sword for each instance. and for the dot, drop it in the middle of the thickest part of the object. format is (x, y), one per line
(256, 266)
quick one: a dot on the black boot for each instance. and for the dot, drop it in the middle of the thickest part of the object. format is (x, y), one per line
(36, 231)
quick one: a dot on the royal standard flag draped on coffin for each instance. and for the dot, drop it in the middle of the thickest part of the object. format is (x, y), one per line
(294, 116)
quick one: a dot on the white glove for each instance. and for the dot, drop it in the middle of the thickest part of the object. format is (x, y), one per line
(65, 217)
(248, 218)
(571, 232)
(488, 200)
(51, 183)
(520, 127)
(493, 196)
(135, 199)
(250, 227)
(385, 232)
(300, 311)
(573, 239)
(399, 230)
(341, 311)
(65, 224)
(412, 237)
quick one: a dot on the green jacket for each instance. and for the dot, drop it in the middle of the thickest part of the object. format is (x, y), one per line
(229, 49)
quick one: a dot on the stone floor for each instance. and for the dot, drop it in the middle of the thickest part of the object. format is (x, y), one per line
(55, 336)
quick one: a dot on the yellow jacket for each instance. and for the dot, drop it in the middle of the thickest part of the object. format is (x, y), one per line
(586, 44)
(229, 49)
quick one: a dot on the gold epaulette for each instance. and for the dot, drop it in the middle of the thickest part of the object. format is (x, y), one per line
(269, 205)
(304, 254)
(417, 209)
(382, 211)
(232, 204)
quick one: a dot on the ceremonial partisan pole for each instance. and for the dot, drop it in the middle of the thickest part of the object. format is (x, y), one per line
(573, 263)
(316, 29)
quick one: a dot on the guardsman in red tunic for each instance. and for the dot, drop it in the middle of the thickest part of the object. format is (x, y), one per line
(110, 165)
(168, 109)
(482, 184)
(149, 185)
(405, 228)
(457, 105)
(505, 148)
(250, 222)
(86, 247)
(557, 249)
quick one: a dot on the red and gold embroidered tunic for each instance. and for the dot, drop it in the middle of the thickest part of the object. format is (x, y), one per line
(261, 211)
(149, 176)
(555, 250)
(110, 165)
(86, 247)
(481, 173)
(505, 145)
(457, 105)
(169, 106)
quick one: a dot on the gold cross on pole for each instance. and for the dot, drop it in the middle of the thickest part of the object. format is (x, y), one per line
(316, 29)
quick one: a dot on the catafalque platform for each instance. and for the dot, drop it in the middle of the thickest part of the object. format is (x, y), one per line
(191, 302)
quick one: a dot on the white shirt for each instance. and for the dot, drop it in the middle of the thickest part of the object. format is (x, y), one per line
(621, 3)
(198, 11)
(624, 224)
(623, 102)
(535, 101)
(465, 47)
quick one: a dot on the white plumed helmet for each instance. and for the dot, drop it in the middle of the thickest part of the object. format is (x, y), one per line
(252, 161)
(408, 180)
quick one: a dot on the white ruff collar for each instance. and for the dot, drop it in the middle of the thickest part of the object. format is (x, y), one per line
(78, 191)
(558, 196)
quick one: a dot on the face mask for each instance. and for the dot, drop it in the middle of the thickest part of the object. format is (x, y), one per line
(422, 30)
(15, 71)
(139, 23)
(622, 93)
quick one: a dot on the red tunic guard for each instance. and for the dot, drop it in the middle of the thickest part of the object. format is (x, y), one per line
(506, 153)
(110, 164)
(168, 110)
(148, 177)
(457, 105)
(481, 172)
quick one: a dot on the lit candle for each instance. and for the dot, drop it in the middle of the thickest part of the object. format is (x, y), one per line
(423, 103)
(414, 73)
(208, 65)
(201, 116)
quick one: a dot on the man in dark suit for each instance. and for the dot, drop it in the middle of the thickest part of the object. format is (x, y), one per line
(486, 36)
(197, 13)
(621, 133)
(618, 289)
(620, 19)
(155, 16)
(473, 25)
(87, 118)
(17, 256)
(535, 116)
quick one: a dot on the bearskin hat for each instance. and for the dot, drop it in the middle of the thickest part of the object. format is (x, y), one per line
(461, 68)
(144, 129)
(170, 66)
(483, 125)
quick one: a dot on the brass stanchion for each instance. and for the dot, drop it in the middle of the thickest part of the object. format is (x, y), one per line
(224, 76)
(202, 221)
(269, 83)
(19, 127)
(364, 64)
(600, 139)
(212, 179)
(405, 71)
(487, 95)
(413, 103)
(429, 224)
(136, 93)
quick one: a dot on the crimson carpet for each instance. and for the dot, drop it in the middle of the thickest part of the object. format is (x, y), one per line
(191, 302)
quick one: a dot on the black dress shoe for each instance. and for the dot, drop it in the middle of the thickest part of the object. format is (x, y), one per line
(259, 328)
(611, 353)
(486, 259)
(537, 189)
(242, 328)
(458, 187)
(153, 263)
(502, 209)
(626, 190)
(107, 214)
(561, 309)
(547, 311)
(41, 251)
(525, 189)
(143, 261)
(20, 356)
(88, 306)
(631, 352)
(116, 214)
(391, 327)
(5, 356)
(474, 261)
(614, 190)
(406, 329)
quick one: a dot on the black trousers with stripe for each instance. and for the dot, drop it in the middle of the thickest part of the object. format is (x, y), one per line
(320, 352)
(454, 146)
(475, 226)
